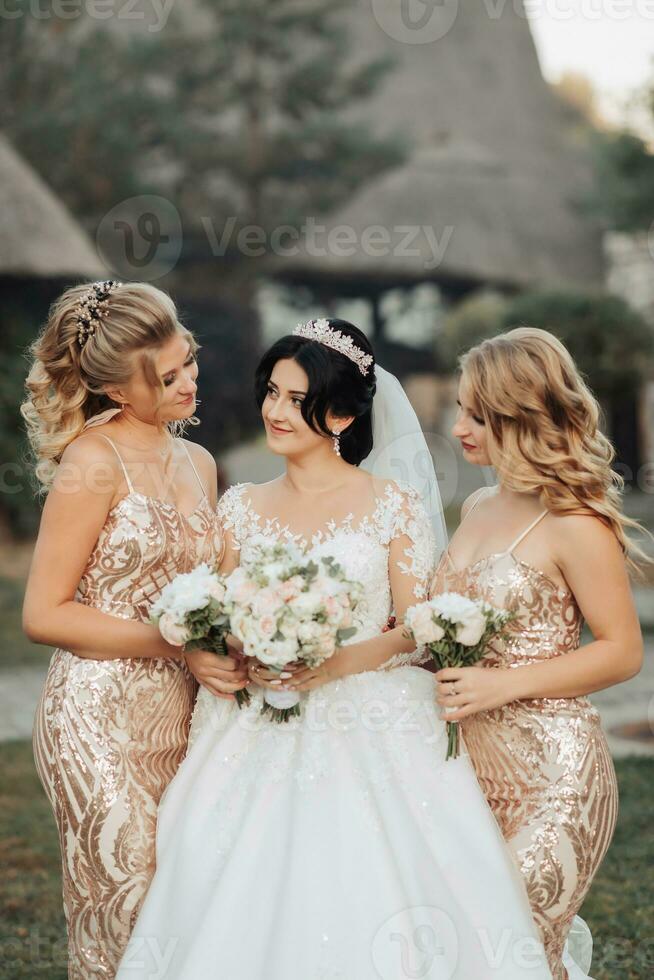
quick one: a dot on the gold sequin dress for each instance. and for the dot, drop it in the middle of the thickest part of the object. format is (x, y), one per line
(109, 735)
(543, 764)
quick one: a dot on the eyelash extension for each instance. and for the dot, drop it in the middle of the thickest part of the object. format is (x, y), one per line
(474, 417)
(187, 362)
(296, 401)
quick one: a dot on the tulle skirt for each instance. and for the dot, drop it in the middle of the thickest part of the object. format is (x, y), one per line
(340, 845)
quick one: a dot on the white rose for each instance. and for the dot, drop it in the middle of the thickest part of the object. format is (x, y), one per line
(290, 628)
(279, 653)
(470, 632)
(274, 570)
(306, 604)
(333, 609)
(216, 590)
(308, 632)
(238, 623)
(454, 607)
(421, 622)
(267, 626)
(290, 588)
(172, 631)
(266, 603)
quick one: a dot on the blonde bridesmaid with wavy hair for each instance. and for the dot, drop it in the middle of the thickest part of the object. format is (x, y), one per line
(549, 542)
(129, 505)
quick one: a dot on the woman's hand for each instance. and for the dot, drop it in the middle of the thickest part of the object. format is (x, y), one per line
(335, 667)
(221, 675)
(262, 675)
(299, 677)
(477, 689)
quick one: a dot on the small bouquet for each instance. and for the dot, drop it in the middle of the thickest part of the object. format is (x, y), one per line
(456, 630)
(289, 608)
(192, 612)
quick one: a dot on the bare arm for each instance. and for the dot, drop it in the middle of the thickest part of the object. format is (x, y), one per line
(73, 516)
(590, 558)
(222, 676)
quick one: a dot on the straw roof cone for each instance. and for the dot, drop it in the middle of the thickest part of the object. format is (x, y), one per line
(39, 237)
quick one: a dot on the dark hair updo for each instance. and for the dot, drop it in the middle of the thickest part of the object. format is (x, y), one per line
(335, 384)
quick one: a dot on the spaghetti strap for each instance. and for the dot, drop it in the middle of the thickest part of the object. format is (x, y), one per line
(112, 443)
(190, 459)
(526, 532)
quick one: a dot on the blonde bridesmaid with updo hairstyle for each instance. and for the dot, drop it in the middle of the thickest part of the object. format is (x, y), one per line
(549, 542)
(128, 505)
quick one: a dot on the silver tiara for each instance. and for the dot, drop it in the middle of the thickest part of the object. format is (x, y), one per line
(322, 333)
(92, 307)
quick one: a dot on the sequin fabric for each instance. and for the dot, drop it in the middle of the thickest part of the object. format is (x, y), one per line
(109, 735)
(543, 764)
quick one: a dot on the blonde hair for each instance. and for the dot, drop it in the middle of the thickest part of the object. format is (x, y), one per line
(66, 381)
(543, 430)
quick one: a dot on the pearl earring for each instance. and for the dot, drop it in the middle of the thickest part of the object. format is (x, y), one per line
(336, 438)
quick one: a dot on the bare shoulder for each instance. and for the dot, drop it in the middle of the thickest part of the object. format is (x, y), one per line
(200, 455)
(203, 461)
(89, 449)
(577, 535)
(89, 466)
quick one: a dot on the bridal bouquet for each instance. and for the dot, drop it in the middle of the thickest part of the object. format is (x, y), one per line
(288, 608)
(193, 611)
(456, 630)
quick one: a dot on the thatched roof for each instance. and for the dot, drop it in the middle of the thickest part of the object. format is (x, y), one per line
(39, 237)
(475, 218)
(492, 159)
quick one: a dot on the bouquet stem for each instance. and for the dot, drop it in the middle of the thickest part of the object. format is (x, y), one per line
(453, 730)
(280, 714)
(453, 735)
(281, 705)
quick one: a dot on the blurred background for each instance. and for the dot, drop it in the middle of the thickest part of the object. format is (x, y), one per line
(436, 171)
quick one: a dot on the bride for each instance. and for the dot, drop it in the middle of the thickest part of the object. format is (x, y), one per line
(339, 846)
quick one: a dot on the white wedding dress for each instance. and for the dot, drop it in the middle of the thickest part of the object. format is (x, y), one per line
(339, 846)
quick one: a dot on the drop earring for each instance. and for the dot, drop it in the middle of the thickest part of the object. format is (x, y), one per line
(336, 439)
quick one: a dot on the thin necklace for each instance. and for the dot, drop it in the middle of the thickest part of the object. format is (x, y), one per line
(160, 452)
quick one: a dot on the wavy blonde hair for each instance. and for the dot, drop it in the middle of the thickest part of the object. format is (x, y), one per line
(66, 382)
(543, 430)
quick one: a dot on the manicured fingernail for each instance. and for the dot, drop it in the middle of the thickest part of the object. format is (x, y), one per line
(275, 682)
(285, 674)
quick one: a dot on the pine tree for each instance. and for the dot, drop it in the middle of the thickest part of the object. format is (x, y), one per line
(251, 115)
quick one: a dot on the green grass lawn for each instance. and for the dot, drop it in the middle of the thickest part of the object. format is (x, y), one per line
(15, 649)
(620, 909)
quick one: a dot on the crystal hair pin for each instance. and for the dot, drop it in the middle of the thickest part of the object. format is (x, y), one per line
(322, 333)
(92, 308)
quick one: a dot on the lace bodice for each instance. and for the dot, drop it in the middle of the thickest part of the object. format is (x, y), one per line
(361, 548)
